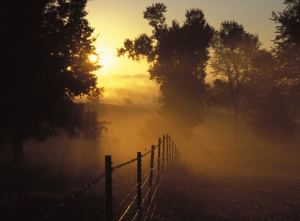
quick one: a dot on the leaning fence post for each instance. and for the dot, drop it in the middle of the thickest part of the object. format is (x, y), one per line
(139, 183)
(163, 154)
(108, 188)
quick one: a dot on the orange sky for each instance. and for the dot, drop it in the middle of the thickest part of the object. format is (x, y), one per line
(117, 20)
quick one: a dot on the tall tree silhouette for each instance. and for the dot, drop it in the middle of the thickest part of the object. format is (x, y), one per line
(287, 45)
(177, 57)
(234, 49)
(46, 44)
(267, 100)
(276, 82)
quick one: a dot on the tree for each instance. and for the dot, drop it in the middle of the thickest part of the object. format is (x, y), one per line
(267, 112)
(287, 40)
(277, 80)
(177, 57)
(233, 49)
(287, 46)
(47, 44)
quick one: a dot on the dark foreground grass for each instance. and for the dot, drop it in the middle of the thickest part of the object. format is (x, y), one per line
(28, 193)
(188, 195)
(184, 195)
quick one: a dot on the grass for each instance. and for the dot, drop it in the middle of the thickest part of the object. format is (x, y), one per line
(27, 193)
(186, 194)
(190, 195)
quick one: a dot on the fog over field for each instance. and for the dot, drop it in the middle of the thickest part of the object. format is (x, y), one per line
(129, 90)
(130, 103)
(85, 82)
(210, 147)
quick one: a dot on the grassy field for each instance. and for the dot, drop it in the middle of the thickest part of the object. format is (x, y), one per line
(190, 195)
(185, 195)
(213, 180)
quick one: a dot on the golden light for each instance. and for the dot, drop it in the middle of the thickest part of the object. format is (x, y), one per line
(93, 58)
(107, 60)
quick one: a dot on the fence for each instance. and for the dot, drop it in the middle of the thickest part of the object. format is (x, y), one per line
(140, 195)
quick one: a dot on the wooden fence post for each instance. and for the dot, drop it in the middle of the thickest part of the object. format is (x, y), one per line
(151, 173)
(108, 188)
(170, 156)
(163, 154)
(139, 187)
(158, 155)
(158, 166)
(167, 149)
(172, 151)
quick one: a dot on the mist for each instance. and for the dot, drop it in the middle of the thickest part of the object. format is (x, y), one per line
(209, 147)
(130, 90)
(227, 106)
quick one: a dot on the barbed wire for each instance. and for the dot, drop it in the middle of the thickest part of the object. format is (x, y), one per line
(87, 187)
(146, 196)
(145, 154)
(158, 176)
(151, 202)
(147, 174)
(76, 194)
(131, 161)
(148, 209)
(156, 163)
(125, 199)
(124, 164)
(128, 207)
(136, 214)
(142, 186)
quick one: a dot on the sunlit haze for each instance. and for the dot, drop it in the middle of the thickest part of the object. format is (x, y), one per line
(208, 130)
(114, 21)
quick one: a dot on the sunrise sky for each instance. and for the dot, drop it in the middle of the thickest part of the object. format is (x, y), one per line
(117, 20)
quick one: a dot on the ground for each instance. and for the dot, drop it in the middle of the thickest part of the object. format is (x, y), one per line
(212, 179)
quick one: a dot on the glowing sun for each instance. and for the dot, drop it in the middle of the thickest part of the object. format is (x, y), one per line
(104, 57)
(93, 58)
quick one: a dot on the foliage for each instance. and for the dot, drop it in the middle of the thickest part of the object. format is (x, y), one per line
(250, 83)
(234, 49)
(287, 40)
(287, 48)
(177, 57)
(267, 111)
(46, 65)
(274, 94)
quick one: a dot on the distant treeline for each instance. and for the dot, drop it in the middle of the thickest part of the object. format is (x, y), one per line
(261, 86)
